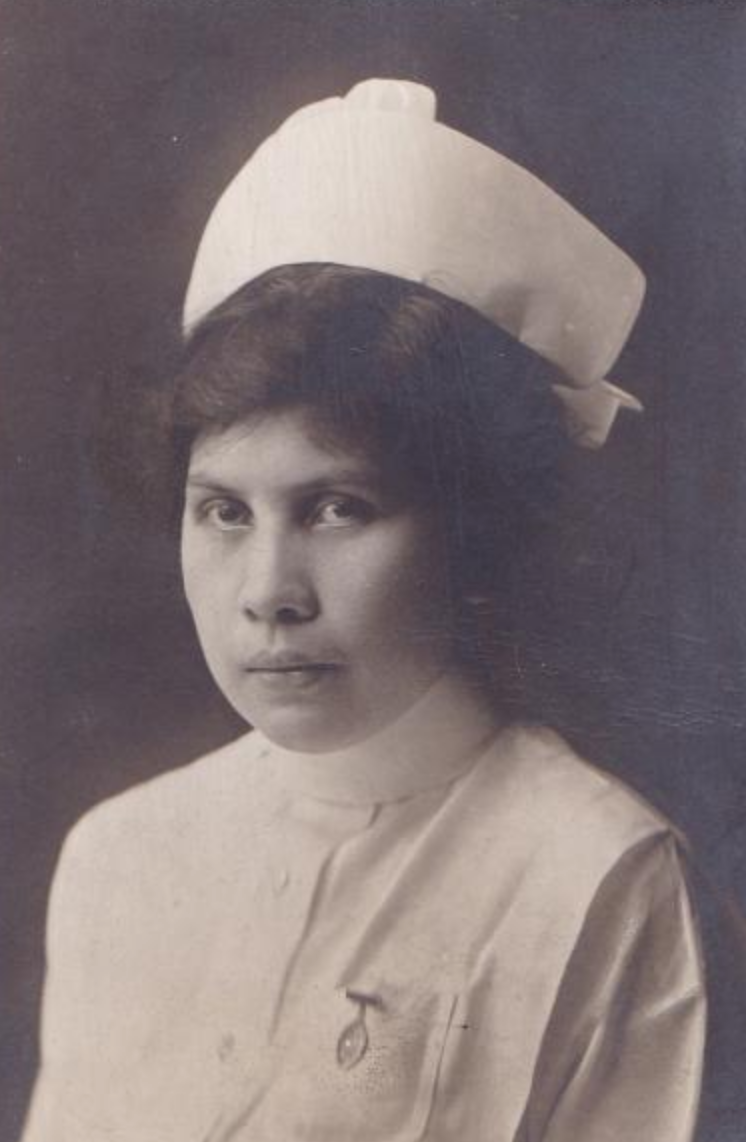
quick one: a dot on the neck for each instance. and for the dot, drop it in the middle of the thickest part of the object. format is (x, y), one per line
(430, 744)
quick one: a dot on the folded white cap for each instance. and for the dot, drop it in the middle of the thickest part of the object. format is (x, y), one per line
(373, 181)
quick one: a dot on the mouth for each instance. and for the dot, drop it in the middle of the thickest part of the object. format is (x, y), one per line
(290, 671)
(286, 671)
(286, 662)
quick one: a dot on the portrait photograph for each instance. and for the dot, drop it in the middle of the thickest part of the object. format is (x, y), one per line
(373, 629)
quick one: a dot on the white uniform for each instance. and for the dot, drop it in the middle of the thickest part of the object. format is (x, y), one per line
(513, 927)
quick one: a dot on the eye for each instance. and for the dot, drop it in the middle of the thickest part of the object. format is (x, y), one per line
(226, 514)
(342, 511)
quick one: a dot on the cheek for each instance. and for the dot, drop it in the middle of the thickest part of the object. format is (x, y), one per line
(193, 574)
(394, 591)
(203, 580)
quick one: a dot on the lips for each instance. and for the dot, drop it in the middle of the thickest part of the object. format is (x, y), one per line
(285, 676)
(289, 662)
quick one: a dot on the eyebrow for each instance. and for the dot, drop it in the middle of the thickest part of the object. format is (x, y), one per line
(352, 477)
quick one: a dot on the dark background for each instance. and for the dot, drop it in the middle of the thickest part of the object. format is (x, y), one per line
(121, 121)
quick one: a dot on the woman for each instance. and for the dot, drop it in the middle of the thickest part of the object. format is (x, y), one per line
(391, 911)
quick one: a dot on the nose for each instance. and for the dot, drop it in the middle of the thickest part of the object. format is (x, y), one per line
(277, 582)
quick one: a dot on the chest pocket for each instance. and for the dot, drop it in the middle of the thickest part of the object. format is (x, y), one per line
(362, 1063)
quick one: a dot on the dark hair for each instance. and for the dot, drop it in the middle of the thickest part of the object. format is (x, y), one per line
(460, 409)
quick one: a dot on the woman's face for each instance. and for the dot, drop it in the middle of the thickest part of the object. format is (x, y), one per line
(318, 588)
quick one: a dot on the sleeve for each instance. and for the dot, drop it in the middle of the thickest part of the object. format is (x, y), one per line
(621, 1059)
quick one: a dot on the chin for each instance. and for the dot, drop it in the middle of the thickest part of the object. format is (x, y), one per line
(305, 734)
(305, 731)
(324, 718)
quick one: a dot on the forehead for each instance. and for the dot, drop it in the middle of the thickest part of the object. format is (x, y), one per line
(279, 448)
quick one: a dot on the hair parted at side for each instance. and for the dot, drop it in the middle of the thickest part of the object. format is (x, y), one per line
(424, 384)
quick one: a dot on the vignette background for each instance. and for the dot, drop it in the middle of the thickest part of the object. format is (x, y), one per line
(121, 122)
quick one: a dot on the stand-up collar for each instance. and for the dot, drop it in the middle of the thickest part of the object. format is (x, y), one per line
(429, 745)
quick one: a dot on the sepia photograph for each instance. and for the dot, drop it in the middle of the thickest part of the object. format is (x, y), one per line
(373, 632)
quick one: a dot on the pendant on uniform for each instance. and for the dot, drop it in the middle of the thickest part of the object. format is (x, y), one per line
(354, 1040)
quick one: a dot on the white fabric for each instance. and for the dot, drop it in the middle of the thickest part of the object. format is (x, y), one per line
(372, 180)
(521, 917)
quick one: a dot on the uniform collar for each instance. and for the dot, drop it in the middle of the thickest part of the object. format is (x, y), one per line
(428, 746)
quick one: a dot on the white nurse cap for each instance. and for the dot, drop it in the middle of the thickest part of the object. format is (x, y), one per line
(373, 181)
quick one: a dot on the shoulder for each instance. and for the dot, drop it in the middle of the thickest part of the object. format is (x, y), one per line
(536, 769)
(570, 821)
(169, 827)
(191, 792)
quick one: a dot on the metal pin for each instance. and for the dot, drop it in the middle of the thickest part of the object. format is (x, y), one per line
(354, 1039)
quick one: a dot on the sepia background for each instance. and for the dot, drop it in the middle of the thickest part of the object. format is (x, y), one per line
(120, 122)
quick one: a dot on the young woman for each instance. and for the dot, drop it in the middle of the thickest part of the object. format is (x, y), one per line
(391, 910)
